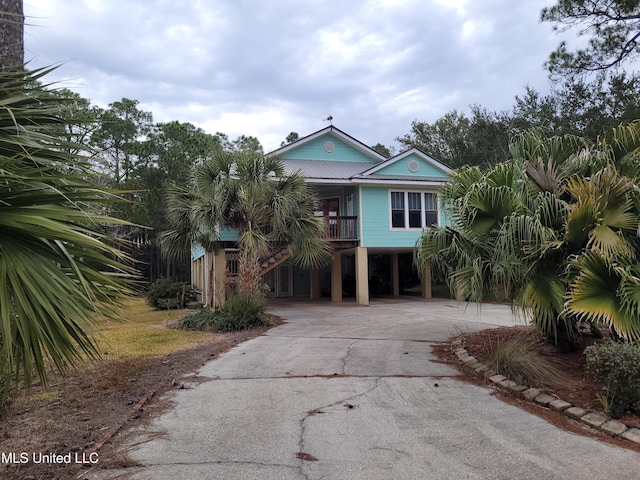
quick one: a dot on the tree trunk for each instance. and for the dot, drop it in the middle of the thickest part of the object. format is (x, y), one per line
(11, 34)
(249, 275)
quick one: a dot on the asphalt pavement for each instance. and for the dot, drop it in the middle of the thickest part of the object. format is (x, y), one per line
(352, 392)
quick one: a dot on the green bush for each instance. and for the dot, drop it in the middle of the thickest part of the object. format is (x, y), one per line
(198, 321)
(241, 312)
(167, 294)
(616, 366)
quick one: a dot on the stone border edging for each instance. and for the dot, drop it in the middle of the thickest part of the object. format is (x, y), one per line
(588, 418)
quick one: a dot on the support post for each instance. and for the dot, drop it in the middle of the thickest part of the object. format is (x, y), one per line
(395, 275)
(426, 281)
(315, 284)
(219, 268)
(362, 276)
(336, 277)
(208, 279)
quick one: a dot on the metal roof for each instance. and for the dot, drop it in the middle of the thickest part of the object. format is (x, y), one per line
(332, 172)
(325, 169)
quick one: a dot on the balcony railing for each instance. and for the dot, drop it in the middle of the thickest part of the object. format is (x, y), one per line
(341, 228)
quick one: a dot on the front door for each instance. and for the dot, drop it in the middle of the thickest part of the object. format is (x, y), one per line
(330, 206)
(280, 281)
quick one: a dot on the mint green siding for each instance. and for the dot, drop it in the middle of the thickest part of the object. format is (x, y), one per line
(197, 251)
(228, 235)
(376, 228)
(225, 234)
(314, 150)
(401, 167)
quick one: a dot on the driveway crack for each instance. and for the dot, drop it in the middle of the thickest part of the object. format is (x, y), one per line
(346, 357)
(219, 462)
(313, 412)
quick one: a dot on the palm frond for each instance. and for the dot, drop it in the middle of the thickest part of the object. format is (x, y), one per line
(492, 204)
(604, 291)
(622, 144)
(609, 242)
(57, 268)
(544, 176)
(543, 295)
(459, 183)
(580, 221)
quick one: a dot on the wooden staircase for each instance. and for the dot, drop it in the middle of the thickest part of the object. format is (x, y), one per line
(272, 261)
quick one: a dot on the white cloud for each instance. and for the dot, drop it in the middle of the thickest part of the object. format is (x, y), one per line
(458, 5)
(227, 66)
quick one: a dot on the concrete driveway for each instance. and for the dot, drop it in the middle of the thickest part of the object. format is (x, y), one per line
(349, 392)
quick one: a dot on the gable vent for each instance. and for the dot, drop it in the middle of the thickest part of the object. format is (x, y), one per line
(329, 147)
(413, 166)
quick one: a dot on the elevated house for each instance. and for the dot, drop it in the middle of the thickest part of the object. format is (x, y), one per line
(374, 209)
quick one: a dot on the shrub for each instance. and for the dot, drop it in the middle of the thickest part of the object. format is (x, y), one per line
(519, 359)
(241, 312)
(616, 367)
(198, 321)
(166, 294)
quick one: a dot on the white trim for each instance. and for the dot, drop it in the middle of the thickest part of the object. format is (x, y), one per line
(330, 181)
(418, 183)
(373, 181)
(423, 210)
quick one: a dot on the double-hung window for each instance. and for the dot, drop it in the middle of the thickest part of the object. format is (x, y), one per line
(397, 210)
(430, 209)
(413, 209)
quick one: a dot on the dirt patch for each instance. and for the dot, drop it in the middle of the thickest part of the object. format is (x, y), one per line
(49, 433)
(580, 390)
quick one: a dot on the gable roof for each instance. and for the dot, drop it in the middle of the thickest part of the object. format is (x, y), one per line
(318, 166)
(334, 132)
(404, 155)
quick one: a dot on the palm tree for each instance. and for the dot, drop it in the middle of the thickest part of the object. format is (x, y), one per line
(56, 266)
(247, 192)
(555, 231)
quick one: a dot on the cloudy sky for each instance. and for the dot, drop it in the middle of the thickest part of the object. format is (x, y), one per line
(269, 67)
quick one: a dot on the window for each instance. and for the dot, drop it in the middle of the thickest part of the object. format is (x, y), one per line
(397, 209)
(413, 209)
(430, 209)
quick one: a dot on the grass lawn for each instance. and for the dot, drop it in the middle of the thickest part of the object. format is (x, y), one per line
(142, 332)
(139, 355)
